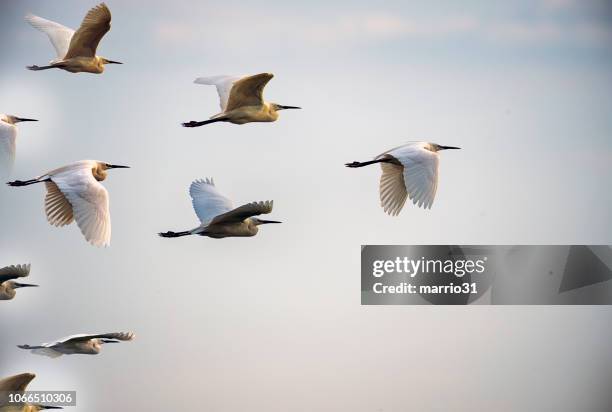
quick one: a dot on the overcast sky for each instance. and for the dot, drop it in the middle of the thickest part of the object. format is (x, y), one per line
(274, 323)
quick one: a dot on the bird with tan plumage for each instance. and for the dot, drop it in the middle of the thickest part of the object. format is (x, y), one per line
(76, 50)
(19, 383)
(218, 216)
(74, 192)
(8, 283)
(82, 344)
(241, 100)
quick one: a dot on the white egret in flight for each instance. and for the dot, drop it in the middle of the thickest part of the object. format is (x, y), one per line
(74, 192)
(84, 344)
(241, 99)
(410, 171)
(218, 216)
(19, 383)
(8, 141)
(8, 284)
(76, 51)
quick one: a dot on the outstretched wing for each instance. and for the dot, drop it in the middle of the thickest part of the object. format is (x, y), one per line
(94, 26)
(59, 35)
(89, 201)
(392, 188)
(16, 383)
(207, 201)
(248, 91)
(224, 85)
(113, 335)
(420, 172)
(8, 137)
(57, 207)
(14, 272)
(239, 214)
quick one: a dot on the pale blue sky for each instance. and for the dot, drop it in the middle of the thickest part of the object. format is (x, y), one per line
(273, 323)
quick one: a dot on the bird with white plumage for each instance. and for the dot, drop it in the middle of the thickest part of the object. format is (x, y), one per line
(74, 192)
(8, 141)
(408, 171)
(83, 344)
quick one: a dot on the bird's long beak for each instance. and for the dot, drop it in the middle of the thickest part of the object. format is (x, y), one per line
(117, 167)
(23, 119)
(24, 285)
(263, 222)
(448, 147)
(49, 407)
(112, 62)
(281, 107)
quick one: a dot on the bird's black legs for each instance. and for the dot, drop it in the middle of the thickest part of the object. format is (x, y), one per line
(19, 183)
(193, 123)
(37, 68)
(174, 234)
(362, 164)
(29, 347)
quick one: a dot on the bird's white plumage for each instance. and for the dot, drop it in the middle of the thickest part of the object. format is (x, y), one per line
(59, 34)
(224, 84)
(417, 177)
(207, 201)
(8, 142)
(88, 198)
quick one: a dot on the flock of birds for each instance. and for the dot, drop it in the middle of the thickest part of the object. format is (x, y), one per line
(74, 191)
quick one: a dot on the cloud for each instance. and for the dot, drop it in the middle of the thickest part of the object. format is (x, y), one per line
(356, 29)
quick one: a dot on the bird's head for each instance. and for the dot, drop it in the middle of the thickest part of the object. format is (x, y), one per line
(11, 119)
(99, 171)
(276, 107)
(434, 147)
(104, 60)
(258, 222)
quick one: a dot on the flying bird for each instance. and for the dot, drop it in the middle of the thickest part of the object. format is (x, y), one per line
(74, 192)
(8, 141)
(241, 100)
(76, 51)
(408, 171)
(84, 344)
(218, 216)
(18, 383)
(7, 282)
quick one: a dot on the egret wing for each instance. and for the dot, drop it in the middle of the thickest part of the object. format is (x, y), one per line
(94, 26)
(14, 272)
(113, 335)
(223, 84)
(207, 201)
(57, 207)
(89, 201)
(420, 174)
(8, 138)
(248, 91)
(16, 383)
(245, 211)
(59, 35)
(392, 189)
